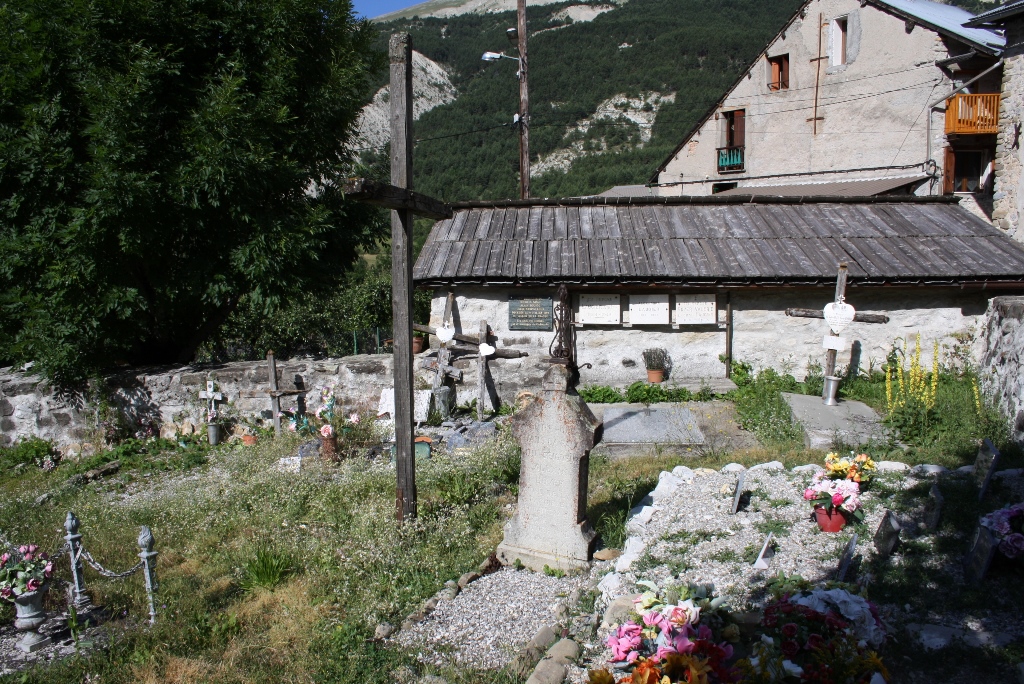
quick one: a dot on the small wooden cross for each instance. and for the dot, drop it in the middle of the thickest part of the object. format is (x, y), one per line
(212, 398)
(274, 394)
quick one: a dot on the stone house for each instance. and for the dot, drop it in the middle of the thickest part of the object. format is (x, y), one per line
(854, 97)
(701, 277)
(1008, 204)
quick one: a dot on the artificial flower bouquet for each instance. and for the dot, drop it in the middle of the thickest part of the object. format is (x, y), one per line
(843, 495)
(678, 635)
(818, 636)
(1008, 524)
(24, 571)
(857, 467)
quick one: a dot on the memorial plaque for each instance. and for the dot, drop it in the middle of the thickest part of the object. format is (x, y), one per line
(599, 309)
(833, 342)
(697, 309)
(738, 494)
(529, 313)
(888, 535)
(980, 556)
(766, 554)
(985, 466)
(933, 508)
(648, 309)
(847, 559)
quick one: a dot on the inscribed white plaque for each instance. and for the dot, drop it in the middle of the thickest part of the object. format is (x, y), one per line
(696, 309)
(599, 309)
(648, 309)
(834, 343)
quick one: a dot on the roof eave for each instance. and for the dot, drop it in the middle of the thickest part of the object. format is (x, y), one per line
(886, 7)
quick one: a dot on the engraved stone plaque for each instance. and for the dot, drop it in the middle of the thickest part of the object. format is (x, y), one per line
(648, 309)
(599, 309)
(529, 313)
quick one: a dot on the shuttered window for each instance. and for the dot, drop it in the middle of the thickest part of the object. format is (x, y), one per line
(778, 72)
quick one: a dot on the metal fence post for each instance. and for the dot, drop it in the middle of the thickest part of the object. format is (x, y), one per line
(148, 556)
(74, 540)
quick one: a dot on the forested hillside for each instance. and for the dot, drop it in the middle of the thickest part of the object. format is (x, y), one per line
(692, 48)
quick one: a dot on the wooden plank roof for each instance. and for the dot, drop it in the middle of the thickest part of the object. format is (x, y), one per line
(721, 241)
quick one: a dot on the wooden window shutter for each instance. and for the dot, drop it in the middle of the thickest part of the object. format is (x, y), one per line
(784, 72)
(948, 172)
(739, 132)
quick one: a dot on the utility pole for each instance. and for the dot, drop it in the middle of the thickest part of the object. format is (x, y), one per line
(524, 107)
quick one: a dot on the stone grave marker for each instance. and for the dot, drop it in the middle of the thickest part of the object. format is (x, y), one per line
(933, 508)
(421, 404)
(847, 559)
(738, 494)
(766, 553)
(985, 466)
(667, 424)
(979, 557)
(556, 432)
(888, 534)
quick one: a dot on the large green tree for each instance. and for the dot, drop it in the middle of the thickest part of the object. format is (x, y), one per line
(162, 159)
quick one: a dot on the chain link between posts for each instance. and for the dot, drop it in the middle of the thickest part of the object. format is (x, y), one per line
(103, 571)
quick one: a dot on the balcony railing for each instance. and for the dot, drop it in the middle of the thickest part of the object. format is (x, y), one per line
(730, 159)
(973, 114)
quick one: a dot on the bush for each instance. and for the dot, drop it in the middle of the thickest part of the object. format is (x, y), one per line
(31, 450)
(761, 408)
(601, 394)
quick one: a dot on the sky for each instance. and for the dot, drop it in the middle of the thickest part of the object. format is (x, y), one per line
(375, 8)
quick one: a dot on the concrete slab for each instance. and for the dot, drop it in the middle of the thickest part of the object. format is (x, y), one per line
(656, 424)
(853, 421)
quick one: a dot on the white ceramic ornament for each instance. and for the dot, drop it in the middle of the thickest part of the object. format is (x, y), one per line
(486, 349)
(445, 334)
(839, 315)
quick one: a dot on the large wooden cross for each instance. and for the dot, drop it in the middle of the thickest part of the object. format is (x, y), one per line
(274, 394)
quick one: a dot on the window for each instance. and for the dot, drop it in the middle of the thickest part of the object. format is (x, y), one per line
(839, 28)
(731, 154)
(722, 187)
(778, 73)
(964, 171)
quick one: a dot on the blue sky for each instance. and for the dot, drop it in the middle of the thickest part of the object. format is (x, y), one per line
(374, 8)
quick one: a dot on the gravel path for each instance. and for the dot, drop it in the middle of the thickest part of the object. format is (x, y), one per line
(489, 620)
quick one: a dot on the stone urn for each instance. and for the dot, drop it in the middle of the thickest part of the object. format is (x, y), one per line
(213, 432)
(29, 618)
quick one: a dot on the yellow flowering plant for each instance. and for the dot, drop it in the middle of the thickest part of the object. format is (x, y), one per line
(857, 467)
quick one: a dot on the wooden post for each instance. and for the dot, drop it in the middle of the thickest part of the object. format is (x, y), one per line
(400, 57)
(444, 354)
(481, 367)
(728, 335)
(830, 355)
(524, 106)
(275, 400)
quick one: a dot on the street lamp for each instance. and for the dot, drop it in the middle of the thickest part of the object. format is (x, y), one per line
(522, 120)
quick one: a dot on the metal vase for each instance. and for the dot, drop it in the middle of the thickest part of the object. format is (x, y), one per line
(213, 431)
(828, 394)
(30, 617)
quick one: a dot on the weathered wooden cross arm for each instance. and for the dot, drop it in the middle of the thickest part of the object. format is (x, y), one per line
(392, 197)
(818, 313)
(498, 353)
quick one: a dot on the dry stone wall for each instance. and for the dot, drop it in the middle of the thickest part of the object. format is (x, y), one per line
(1002, 361)
(1009, 162)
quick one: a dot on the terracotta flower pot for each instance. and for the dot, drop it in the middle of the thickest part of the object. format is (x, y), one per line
(417, 345)
(829, 522)
(249, 440)
(655, 376)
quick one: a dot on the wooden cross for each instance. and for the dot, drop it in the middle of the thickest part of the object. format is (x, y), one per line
(830, 355)
(212, 398)
(274, 394)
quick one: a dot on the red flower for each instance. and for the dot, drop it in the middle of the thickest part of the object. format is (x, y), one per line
(815, 641)
(786, 608)
(790, 648)
(790, 630)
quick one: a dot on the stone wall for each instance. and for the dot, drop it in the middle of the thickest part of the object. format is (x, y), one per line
(1009, 163)
(1002, 358)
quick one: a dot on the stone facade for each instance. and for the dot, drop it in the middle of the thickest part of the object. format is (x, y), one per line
(1002, 358)
(1009, 187)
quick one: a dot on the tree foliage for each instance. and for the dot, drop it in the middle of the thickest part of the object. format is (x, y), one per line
(161, 160)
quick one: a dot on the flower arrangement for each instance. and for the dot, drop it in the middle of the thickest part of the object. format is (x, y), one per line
(843, 495)
(1008, 524)
(859, 468)
(28, 574)
(668, 642)
(327, 403)
(817, 636)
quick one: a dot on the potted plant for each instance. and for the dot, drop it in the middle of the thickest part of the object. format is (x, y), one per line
(655, 361)
(328, 443)
(834, 501)
(417, 342)
(24, 579)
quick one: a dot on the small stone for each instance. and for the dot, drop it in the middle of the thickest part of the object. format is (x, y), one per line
(432, 679)
(168, 431)
(1011, 472)
(544, 637)
(634, 547)
(933, 637)
(187, 428)
(684, 473)
(383, 631)
(809, 468)
(429, 605)
(770, 465)
(704, 471)
(965, 470)
(43, 498)
(618, 610)
(927, 469)
(467, 578)
(610, 585)
(607, 554)
(547, 672)
(891, 466)
(733, 468)
(565, 651)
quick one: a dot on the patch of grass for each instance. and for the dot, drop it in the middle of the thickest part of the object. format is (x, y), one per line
(750, 553)
(266, 569)
(776, 526)
(553, 572)
(761, 408)
(725, 556)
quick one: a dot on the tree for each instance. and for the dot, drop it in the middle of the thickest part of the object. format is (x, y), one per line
(162, 159)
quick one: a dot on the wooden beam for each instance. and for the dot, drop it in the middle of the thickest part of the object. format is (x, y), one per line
(400, 58)
(393, 197)
(818, 313)
(275, 400)
(498, 353)
(481, 368)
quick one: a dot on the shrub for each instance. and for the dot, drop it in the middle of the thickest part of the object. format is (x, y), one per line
(266, 569)
(31, 450)
(761, 408)
(601, 394)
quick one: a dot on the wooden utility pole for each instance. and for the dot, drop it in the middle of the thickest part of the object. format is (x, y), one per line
(400, 56)
(830, 355)
(524, 106)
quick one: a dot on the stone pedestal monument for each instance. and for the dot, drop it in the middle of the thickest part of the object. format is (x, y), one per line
(556, 432)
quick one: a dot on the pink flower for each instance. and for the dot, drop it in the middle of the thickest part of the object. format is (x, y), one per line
(662, 652)
(838, 499)
(6, 592)
(704, 632)
(23, 549)
(32, 548)
(683, 644)
(809, 493)
(33, 584)
(48, 570)
(28, 557)
(354, 419)
(624, 642)
(4, 558)
(657, 620)
(327, 431)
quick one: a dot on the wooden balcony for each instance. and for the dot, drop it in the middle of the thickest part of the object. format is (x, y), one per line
(730, 159)
(972, 114)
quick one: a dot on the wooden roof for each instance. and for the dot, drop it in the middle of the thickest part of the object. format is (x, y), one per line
(710, 240)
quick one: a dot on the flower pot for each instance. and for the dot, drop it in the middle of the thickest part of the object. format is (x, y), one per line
(213, 431)
(654, 376)
(829, 522)
(249, 440)
(417, 345)
(29, 617)
(329, 449)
